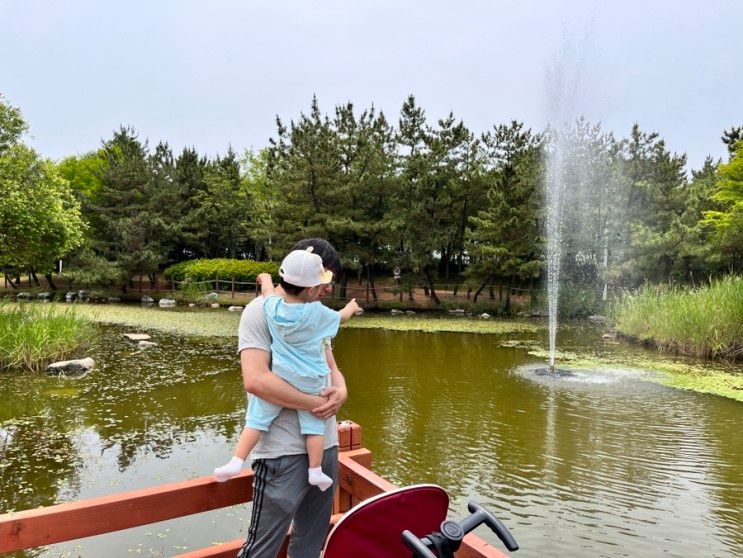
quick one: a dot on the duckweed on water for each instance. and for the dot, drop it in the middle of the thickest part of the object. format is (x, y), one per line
(444, 324)
(220, 323)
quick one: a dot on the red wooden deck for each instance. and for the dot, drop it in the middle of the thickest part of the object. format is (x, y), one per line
(95, 516)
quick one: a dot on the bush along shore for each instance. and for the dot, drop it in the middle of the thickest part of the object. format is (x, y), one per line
(703, 322)
(34, 335)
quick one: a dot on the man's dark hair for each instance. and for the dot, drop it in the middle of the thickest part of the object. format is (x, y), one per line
(329, 256)
(289, 288)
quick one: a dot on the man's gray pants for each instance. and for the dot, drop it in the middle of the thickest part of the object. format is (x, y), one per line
(281, 493)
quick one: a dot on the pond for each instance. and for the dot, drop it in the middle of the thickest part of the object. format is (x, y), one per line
(601, 463)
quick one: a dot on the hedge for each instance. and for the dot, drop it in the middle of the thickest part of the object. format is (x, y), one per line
(207, 270)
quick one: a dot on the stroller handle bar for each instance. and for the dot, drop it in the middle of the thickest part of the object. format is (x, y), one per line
(450, 536)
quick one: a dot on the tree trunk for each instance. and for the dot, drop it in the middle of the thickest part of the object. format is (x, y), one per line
(9, 280)
(429, 280)
(474, 299)
(343, 285)
(32, 276)
(48, 277)
(370, 277)
(491, 292)
(507, 307)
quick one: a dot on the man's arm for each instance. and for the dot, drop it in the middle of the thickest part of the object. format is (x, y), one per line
(337, 393)
(260, 381)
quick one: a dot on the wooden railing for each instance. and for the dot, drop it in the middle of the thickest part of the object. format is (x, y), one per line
(95, 516)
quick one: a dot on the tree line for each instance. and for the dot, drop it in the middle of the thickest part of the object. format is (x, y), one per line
(432, 199)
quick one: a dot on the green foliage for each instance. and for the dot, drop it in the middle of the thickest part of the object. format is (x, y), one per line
(12, 125)
(83, 173)
(576, 301)
(34, 335)
(225, 269)
(503, 237)
(727, 222)
(705, 322)
(126, 232)
(431, 199)
(89, 268)
(39, 216)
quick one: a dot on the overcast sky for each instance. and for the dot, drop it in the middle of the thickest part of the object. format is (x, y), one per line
(216, 73)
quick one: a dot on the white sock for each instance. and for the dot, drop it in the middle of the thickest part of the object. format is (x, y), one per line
(229, 470)
(319, 479)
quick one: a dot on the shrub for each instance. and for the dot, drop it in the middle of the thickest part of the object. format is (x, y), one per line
(244, 271)
(574, 302)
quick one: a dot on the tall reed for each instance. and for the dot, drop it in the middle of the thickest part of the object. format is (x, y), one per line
(706, 321)
(33, 335)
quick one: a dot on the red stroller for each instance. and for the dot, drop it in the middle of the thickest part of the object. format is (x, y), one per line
(408, 520)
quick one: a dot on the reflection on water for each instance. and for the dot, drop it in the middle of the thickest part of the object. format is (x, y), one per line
(599, 464)
(602, 465)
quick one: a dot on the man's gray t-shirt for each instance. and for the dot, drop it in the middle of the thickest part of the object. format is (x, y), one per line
(283, 437)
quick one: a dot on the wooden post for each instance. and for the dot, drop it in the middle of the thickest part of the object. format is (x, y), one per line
(172, 283)
(216, 283)
(367, 292)
(157, 284)
(140, 283)
(233, 287)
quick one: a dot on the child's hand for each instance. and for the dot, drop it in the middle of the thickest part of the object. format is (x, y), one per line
(354, 307)
(264, 277)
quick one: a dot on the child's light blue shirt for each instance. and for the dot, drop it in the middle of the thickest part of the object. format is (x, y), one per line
(297, 333)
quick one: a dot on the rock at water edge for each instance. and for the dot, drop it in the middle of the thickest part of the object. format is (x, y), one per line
(71, 367)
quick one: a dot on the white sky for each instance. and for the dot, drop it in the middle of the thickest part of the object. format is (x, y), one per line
(215, 73)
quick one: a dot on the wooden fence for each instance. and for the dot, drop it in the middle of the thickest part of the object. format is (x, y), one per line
(105, 514)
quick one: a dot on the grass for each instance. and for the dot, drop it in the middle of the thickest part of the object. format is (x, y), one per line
(34, 335)
(706, 322)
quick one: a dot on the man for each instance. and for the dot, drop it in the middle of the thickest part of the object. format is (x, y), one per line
(281, 493)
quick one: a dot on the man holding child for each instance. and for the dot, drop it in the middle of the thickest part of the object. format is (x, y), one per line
(281, 493)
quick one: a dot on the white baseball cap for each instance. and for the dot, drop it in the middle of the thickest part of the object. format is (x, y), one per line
(302, 268)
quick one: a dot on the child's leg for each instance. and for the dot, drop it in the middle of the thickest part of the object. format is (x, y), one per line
(314, 429)
(248, 439)
(258, 417)
(315, 445)
(315, 476)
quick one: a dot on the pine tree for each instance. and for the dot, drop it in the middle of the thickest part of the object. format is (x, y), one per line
(504, 237)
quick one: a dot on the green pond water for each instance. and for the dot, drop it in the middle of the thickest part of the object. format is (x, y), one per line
(603, 463)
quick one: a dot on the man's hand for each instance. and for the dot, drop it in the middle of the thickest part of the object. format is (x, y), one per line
(337, 396)
(264, 277)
